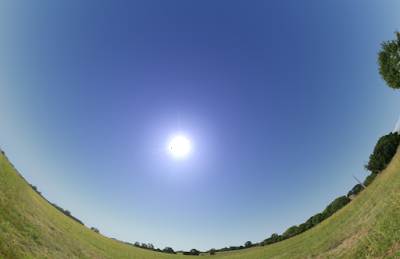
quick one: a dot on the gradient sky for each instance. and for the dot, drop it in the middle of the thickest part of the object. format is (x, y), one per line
(282, 103)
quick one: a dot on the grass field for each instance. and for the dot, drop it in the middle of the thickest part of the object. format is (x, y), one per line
(368, 227)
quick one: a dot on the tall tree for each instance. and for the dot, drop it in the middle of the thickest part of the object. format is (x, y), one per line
(388, 61)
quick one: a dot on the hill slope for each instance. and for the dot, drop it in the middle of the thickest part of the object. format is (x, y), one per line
(32, 228)
(368, 227)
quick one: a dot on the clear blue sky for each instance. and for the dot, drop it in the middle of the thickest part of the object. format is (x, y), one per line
(282, 103)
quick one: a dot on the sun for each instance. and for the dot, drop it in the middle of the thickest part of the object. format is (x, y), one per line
(180, 146)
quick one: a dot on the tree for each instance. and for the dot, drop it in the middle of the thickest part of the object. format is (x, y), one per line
(388, 62)
(168, 250)
(290, 231)
(194, 252)
(309, 223)
(144, 245)
(383, 152)
(150, 246)
(212, 251)
(248, 244)
(137, 244)
(370, 178)
(356, 189)
(95, 230)
(339, 203)
(300, 229)
(318, 218)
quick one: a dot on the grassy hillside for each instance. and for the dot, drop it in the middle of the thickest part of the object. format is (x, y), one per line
(368, 227)
(32, 228)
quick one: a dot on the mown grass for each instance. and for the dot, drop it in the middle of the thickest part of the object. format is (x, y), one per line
(368, 227)
(32, 228)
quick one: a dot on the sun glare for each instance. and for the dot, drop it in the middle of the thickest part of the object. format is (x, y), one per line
(180, 146)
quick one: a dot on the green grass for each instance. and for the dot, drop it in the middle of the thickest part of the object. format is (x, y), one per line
(369, 227)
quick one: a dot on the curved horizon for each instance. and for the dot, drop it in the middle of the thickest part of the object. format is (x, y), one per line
(281, 103)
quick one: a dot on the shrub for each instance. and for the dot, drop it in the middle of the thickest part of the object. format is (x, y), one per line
(95, 230)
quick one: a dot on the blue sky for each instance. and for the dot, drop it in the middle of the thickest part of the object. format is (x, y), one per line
(282, 103)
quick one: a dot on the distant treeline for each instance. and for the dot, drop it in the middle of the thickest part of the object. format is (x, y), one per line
(4, 154)
(383, 153)
(66, 212)
(148, 246)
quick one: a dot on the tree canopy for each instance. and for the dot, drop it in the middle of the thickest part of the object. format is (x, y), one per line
(248, 244)
(383, 153)
(194, 252)
(388, 62)
(290, 231)
(169, 250)
(356, 189)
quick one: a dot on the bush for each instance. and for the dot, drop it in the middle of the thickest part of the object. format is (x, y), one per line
(356, 189)
(95, 230)
(370, 178)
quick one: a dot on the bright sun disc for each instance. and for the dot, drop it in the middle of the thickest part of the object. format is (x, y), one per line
(180, 146)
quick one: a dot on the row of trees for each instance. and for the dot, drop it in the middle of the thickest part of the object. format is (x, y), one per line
(150, 246)
(248, 244)
(294, 230)
(336, 205)
(165, 250)
(192, 252)
(383, 153)
(66, 212)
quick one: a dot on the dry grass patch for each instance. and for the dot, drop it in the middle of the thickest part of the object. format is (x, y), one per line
(350, 241)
